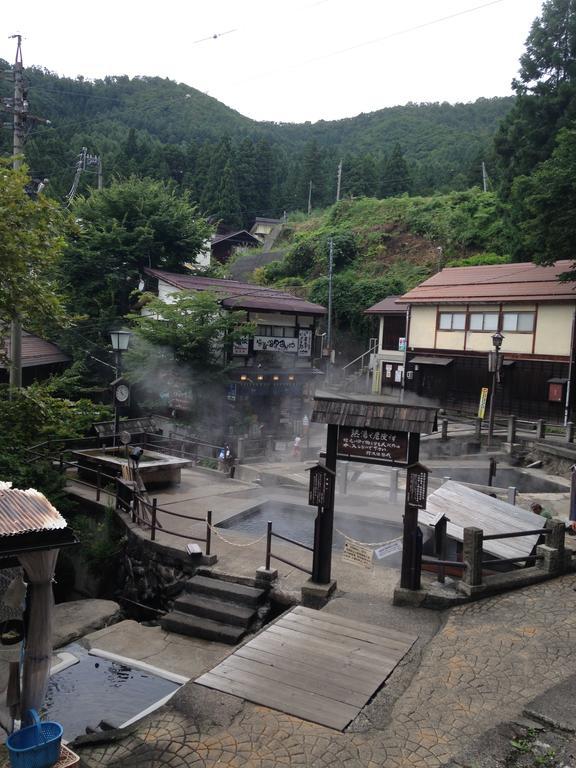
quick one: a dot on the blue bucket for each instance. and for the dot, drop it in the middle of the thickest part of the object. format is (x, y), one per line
(37, 745)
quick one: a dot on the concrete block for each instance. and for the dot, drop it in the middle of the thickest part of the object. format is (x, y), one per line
(410, 597)
(317, 595)
(265, 576)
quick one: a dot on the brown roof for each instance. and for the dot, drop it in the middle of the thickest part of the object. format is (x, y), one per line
(241, 236)
(236, 295)
(502, 282)
(378, 415)
(26, 512)
(36, 351)
(388, 306)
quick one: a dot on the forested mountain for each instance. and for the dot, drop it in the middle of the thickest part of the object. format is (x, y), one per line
(235, 167)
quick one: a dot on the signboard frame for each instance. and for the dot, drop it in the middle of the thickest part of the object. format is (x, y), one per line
(322, 486)
(417, 485)
(409, 457)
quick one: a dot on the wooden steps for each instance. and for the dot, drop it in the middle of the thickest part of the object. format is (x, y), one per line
(214, 610)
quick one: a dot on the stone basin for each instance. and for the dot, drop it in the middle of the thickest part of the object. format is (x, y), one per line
(155, 468)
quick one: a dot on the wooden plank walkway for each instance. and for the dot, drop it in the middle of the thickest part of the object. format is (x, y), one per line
(311, 664)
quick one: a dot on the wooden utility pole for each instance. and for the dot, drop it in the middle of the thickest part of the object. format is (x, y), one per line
(330, 281)
(484, 177)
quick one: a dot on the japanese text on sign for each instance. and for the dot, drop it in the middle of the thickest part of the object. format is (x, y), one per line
(417, 486)
(365, 442)
(321, 489)
(357, 554)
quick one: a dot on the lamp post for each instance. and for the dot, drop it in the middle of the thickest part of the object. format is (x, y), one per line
(494, 362)
(120, 340)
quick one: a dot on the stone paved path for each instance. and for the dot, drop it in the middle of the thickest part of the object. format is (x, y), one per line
(487, 661)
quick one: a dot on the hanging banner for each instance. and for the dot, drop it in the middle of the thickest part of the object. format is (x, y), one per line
(275, 344)
(304, 343)
(483, 401)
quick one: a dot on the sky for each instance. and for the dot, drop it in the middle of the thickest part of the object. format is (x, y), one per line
(285, 60)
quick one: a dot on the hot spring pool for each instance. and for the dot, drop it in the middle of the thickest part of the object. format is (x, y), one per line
(524, 481)
(297, 522)
(95, 688)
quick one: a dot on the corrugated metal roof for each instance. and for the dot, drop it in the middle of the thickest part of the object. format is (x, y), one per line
(388, 306)
(361, 413)
(237, 295)
(37, 351)
(27, 512)
(502, 282)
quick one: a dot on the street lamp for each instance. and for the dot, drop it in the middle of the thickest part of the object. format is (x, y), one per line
(494, 362)
(120, 340)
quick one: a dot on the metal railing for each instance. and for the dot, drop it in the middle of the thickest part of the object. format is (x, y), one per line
(361, 357)
(271, 556)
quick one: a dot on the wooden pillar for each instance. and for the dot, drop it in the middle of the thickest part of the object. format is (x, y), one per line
(472, 556)
(326, 518)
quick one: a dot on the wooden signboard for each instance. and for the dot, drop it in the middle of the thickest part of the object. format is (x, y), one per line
(377, 446)
(417, 485)
(357, 554)
(321, 488)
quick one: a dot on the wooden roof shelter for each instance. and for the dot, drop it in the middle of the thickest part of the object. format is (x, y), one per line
(464, 507)
(377, 414)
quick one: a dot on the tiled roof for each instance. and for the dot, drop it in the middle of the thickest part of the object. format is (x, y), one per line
(36, 351)
(242, 234)
(388, 306)
(26, 512)
(502, 282)
(237, 295)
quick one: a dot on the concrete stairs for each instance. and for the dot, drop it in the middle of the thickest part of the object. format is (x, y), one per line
(214, 609)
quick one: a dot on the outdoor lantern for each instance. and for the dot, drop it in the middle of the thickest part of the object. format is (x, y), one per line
(120, 340)
(497, 340)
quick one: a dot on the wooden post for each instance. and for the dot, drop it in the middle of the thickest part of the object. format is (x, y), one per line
(472, 556)
(444, 436)
(440, 545)
(98, 484)
(512, 490)
(540, 429)
(208, 531)
(511, 429)
(316, 553)
(153, 520)
(268, 544)
(326, 524)
(408, 579)
(478, 429)
(570, 432)
(491, 471)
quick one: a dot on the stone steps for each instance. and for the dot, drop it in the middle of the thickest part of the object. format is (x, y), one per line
(199, 626)
(218, 610)
(225, 590)
(214, 609)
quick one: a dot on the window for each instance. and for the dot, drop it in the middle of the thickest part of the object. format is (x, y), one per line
(483, 321)
(519, 322)
(286, 332)
(452, 321)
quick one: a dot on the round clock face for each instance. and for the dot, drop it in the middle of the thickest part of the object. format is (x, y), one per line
(122, 393)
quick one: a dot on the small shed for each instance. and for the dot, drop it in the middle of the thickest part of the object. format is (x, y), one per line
(32, 531)
(465, 507)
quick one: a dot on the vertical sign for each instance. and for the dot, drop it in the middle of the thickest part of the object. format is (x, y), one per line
(304, 343)
(321, 488)
(417, 485)
(482, 403)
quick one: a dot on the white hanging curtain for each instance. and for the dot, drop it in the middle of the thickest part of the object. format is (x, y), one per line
(39, 567)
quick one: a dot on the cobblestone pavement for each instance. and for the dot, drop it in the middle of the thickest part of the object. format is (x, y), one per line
(488, 660)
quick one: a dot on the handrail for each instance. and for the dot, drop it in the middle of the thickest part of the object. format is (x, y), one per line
(271, 556)
(513, 534)
(369, 351)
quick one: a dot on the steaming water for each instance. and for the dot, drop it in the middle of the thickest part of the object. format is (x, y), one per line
(297, 522)
(97, 689)
(524, 482)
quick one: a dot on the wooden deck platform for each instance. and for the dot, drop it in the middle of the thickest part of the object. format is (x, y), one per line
(312, 664)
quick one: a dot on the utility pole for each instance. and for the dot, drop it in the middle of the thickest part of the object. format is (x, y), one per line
(18, 107)
(339, 181)
(310, 198)
(20, 110)
(484, 177)
(330, 276)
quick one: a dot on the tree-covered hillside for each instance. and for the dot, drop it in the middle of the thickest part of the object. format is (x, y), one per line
(236, 168)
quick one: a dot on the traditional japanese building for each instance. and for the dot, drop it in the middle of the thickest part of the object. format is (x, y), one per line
(450, 323)
(273, 370)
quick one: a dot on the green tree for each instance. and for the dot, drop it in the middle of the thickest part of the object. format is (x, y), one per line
(32, 233)
(395, 174)
(543, 205)
(228, 208)
(130, 225)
